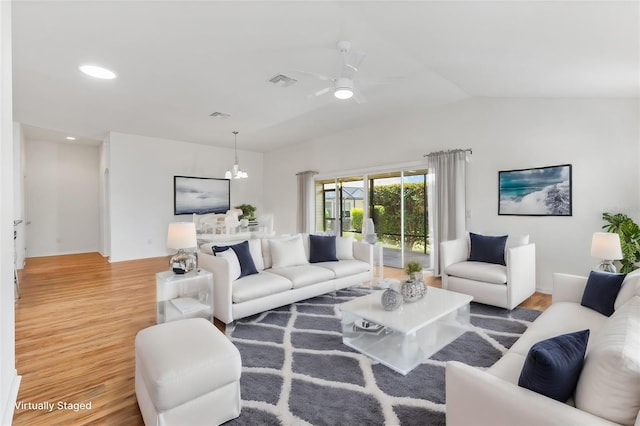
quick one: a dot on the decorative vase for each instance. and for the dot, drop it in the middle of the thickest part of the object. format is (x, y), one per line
(391, 300)
(412, 290)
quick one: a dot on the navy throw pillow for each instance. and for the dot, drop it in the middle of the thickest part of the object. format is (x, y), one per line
(488, 249)
(247, 266)
(553, 366)
(322, 248)
(601, 291)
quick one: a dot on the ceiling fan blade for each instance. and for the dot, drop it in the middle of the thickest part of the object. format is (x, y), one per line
(358, 97)
(319, 92)
(354, 58)
(322, 91)
(314, 74)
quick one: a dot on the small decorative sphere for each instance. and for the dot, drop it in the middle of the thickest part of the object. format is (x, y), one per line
(391, 299)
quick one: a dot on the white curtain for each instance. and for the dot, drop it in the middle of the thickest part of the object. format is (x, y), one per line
(446, 193)
(306, 197)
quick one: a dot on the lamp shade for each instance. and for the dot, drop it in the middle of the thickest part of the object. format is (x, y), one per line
(606, 245)
(182, 235)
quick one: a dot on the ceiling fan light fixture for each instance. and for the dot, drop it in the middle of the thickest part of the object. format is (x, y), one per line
(344, 88)
(343, 93)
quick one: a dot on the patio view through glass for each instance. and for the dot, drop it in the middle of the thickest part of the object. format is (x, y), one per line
(397, 203)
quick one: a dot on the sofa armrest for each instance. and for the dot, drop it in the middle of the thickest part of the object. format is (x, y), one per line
(521, 272)
(568, 288)
(222, 285)
(475, 397)
(363, 251)
(453, 251)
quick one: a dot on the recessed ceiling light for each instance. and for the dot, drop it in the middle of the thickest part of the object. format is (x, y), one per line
(70, 138)
(97, 72)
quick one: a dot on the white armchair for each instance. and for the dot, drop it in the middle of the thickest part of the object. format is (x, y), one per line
(505, 286)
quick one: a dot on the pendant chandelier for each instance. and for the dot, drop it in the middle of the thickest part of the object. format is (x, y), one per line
(235, 172)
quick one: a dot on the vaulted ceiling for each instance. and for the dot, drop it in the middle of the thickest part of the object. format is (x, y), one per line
(179, 61)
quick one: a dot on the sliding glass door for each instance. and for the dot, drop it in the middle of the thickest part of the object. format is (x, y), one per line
(342, 206)
(395, 200)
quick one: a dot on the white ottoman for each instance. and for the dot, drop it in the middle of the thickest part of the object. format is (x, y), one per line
(187, 373)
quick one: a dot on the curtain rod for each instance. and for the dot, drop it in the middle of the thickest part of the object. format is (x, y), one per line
(469, 150)
(307, 172)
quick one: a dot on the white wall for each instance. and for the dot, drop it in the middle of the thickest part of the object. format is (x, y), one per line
(62, 184)
(104, 230)
(18, 194)
(600, 138)
(141, 171)
(9, 379)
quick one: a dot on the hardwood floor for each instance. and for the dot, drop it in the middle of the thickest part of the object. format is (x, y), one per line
(76, 323)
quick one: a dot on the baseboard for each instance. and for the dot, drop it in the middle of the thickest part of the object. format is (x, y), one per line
(12, 399)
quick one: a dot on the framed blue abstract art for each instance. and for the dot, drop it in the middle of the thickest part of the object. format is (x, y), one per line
(540, 191)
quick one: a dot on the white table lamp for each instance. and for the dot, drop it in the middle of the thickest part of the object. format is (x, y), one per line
(606, 247)
(182, 236)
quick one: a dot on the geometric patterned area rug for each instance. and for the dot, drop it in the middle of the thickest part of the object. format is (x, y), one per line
(296, 371)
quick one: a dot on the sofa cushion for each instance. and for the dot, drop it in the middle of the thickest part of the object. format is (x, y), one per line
(234, 263)
(609, 385)
(345, 268)
(601, 291)
(255, 247)
(630, 288)
(259, 285)
(287, 252)
(247, 267)
(559, 318)
(266, 249)
(487, 248)
(304, 275)
(553, 365)
(344, 248)
(478, 271)
(322, 248)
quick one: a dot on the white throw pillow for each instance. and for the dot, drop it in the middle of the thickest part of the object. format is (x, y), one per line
(289, 252)
(609, 385)
(344, 248)
(630, 287)
(255, 247)
(234, 263)
(266, 249)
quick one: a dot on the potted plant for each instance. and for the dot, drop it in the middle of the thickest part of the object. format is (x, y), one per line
(629, 233)
(412, 268)
(248, 211)
(414, 288)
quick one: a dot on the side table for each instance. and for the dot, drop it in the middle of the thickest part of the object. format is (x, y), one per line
(180, 296)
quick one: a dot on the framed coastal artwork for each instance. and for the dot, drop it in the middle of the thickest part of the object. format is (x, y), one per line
(540, 191)
(200, 195)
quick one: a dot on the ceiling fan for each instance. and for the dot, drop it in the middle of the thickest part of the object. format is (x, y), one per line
(346, 85)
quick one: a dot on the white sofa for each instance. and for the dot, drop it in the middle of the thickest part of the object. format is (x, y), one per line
(273, 287)
(608, 389)
(505, 286)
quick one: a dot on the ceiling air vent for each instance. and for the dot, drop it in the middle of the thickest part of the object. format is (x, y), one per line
(220, 115)
(282, 80)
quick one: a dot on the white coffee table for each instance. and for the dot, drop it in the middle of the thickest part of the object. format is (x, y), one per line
(408, 335)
